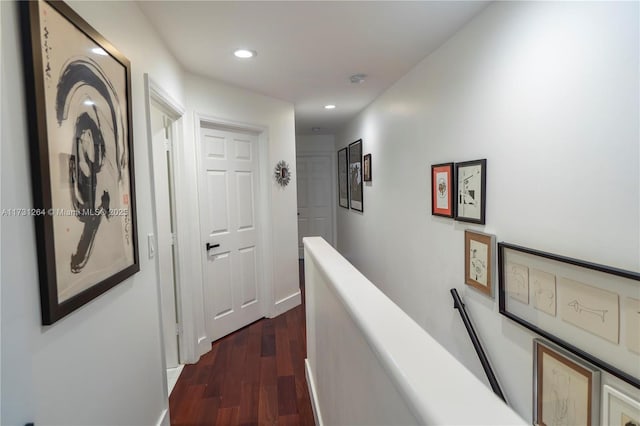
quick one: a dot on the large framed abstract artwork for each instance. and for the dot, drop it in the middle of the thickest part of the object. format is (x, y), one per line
(355, 175)
(79, 100)
(589, 309)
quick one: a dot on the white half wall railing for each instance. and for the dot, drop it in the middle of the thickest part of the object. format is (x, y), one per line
(369, 363)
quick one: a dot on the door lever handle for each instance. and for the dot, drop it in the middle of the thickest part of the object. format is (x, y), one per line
(210, 246)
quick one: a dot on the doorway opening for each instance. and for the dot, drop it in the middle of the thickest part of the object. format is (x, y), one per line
(164, 128)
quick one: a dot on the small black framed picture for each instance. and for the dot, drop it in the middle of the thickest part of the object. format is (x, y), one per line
(471, 191)
(367, 168)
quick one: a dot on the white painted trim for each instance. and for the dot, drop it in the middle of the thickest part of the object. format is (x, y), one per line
(311, 385)
(287, 303)
(190, 351)
(264, 216)
(158, 94)
(163, 357)
(1, 136)
(163, 420)
(173, 374)
(154, 93)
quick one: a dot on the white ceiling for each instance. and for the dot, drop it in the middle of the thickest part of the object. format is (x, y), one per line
(308, 49)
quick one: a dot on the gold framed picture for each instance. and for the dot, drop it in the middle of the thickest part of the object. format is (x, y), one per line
(478, 261)
(566, 389)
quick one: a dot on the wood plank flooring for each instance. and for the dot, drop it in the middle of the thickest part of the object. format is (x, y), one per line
(254, 376)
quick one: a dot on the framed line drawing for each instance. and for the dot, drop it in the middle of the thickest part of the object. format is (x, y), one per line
(619, 409)
(586, 308)
(367, 168)
(478, 261)
(343, 178)
(566, 389)
(79, 100)
(471, 191)
(355, 176)
(442, 190)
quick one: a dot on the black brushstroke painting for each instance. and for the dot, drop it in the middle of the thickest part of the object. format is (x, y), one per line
(78, 88)
(88, 150)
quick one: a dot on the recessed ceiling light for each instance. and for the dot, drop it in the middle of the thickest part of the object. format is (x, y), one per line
(330, 106)
(244, 53)
(99, 51)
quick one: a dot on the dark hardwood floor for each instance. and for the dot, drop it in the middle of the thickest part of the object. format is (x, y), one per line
(254, 376)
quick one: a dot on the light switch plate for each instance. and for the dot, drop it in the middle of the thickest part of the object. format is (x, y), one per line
(151, 240)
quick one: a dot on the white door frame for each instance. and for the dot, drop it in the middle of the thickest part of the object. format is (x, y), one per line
(263, 201)
(155, 94)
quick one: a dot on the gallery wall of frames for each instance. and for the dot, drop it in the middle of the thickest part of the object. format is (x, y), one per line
(353, 171)
(587, 315)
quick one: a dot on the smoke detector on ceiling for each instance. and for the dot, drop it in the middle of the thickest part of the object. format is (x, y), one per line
(357, 78)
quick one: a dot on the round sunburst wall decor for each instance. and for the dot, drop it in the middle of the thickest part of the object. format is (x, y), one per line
(282, 173)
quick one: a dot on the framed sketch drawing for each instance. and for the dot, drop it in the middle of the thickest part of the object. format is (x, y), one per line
(442, 190)
(79, 94)
(586, 308)
(478, 261)
(355, 176)
(619, 409)
(367, 168)
(343, 178)
(566, 389)
(471, 191)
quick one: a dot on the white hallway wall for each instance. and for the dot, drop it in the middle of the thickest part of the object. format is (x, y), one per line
(101, 364)
(549, 94)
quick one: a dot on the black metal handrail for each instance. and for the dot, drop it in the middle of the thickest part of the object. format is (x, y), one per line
(493, 381)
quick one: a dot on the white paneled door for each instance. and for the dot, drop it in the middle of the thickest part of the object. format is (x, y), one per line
(229, 181)
(315, 204)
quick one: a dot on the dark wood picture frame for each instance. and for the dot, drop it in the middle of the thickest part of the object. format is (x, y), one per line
(563, 268)
(366, 175)
(563, 392)
(479, 260)
(343, 178)
(356, 201)
(443, 186)
(471, 190)
(79, 107)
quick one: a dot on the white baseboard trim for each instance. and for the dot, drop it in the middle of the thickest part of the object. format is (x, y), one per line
(289, 302)
(317, 415)
(164, 418)
(204, 346)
